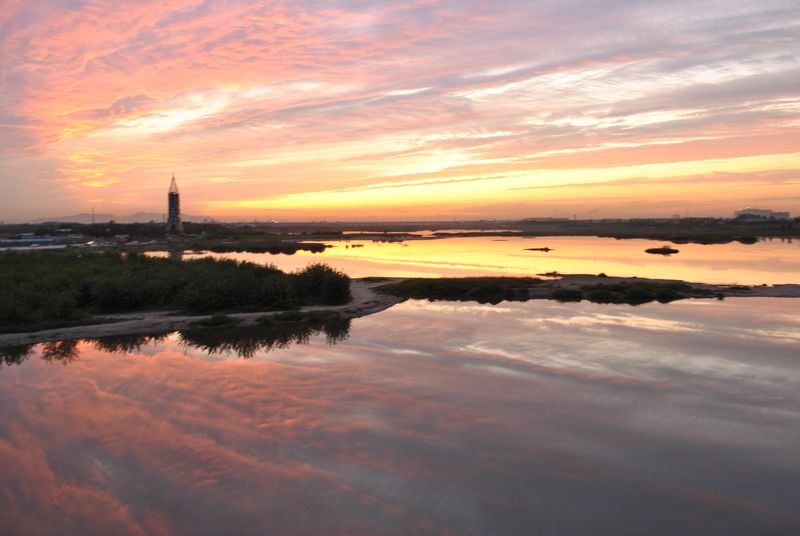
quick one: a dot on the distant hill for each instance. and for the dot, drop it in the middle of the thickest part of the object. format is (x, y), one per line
(77, 218)
(138, 217)
(143, 217)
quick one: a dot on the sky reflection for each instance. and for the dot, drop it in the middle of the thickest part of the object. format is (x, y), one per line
(520, 418)
(769, 262)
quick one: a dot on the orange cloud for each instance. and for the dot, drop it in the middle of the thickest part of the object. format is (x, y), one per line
(270, 106)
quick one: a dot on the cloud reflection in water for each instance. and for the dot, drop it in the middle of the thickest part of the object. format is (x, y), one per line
(531, 417)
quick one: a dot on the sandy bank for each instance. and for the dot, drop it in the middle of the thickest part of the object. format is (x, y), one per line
(365, 302)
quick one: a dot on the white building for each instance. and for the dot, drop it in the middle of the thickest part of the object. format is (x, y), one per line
(762, 213)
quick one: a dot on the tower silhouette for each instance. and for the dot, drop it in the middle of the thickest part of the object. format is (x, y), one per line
(174, 225)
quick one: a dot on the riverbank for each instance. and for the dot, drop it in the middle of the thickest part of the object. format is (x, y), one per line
(577, 287)
(373, 295)
(49, 290)
(364, 301)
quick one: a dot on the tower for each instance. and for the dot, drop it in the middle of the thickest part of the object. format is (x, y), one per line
(174, 225)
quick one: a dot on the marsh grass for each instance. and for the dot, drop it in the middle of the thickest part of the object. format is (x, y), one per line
(41, 290)
(481, 289)
(496, 289)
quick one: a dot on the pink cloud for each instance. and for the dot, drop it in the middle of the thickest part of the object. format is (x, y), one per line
(120, 96)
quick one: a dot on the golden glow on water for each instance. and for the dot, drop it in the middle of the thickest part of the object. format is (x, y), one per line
(769, 262)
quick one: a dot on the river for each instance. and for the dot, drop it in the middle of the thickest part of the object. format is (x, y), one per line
(766, 262)
(428, 418)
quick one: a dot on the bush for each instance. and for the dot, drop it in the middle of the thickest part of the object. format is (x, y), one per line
(567, 295)
(603, 296)
(637, 296)
(47, 289)
(480, 289)
(321, 284)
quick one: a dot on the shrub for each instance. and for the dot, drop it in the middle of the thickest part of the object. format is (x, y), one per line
(480, 289)
(603, 296)
(321, 284)
(567, 295)
(46, 289)
(638, 295)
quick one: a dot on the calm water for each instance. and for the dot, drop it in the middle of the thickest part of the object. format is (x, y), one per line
(767, 262)
(431, 418)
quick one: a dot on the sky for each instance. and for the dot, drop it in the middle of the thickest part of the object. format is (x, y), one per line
(402, 110)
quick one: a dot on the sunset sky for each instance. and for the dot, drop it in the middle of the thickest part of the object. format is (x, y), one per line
(415, 109)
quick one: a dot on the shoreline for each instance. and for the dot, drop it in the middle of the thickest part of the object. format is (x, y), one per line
(367, 301)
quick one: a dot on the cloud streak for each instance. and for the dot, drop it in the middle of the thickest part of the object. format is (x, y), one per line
(296, 100)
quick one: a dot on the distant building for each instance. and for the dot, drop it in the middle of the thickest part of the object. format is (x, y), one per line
(761, 213)
(174, 225)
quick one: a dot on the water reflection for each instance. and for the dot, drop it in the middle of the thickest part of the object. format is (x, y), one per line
(768, 261)
(126, 344)
(432, 418)
(244, 342)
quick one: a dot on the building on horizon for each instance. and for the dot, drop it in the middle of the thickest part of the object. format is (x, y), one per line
(174, 225)
(761, 213)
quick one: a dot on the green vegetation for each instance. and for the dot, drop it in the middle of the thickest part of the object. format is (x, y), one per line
(214, 237)
(639, 292)
(677, 231)
(567, 295)
(496, 289)
(251, 238)
(481, 289)
(40, 290)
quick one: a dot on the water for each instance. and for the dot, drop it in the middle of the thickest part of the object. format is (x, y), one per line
(428, 418)
(766, 262)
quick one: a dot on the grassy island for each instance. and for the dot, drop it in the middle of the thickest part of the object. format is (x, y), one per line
(480, 289)
(40, 290)
(496, 289)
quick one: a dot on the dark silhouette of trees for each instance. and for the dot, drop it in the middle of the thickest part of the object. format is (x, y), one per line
(48, 289)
